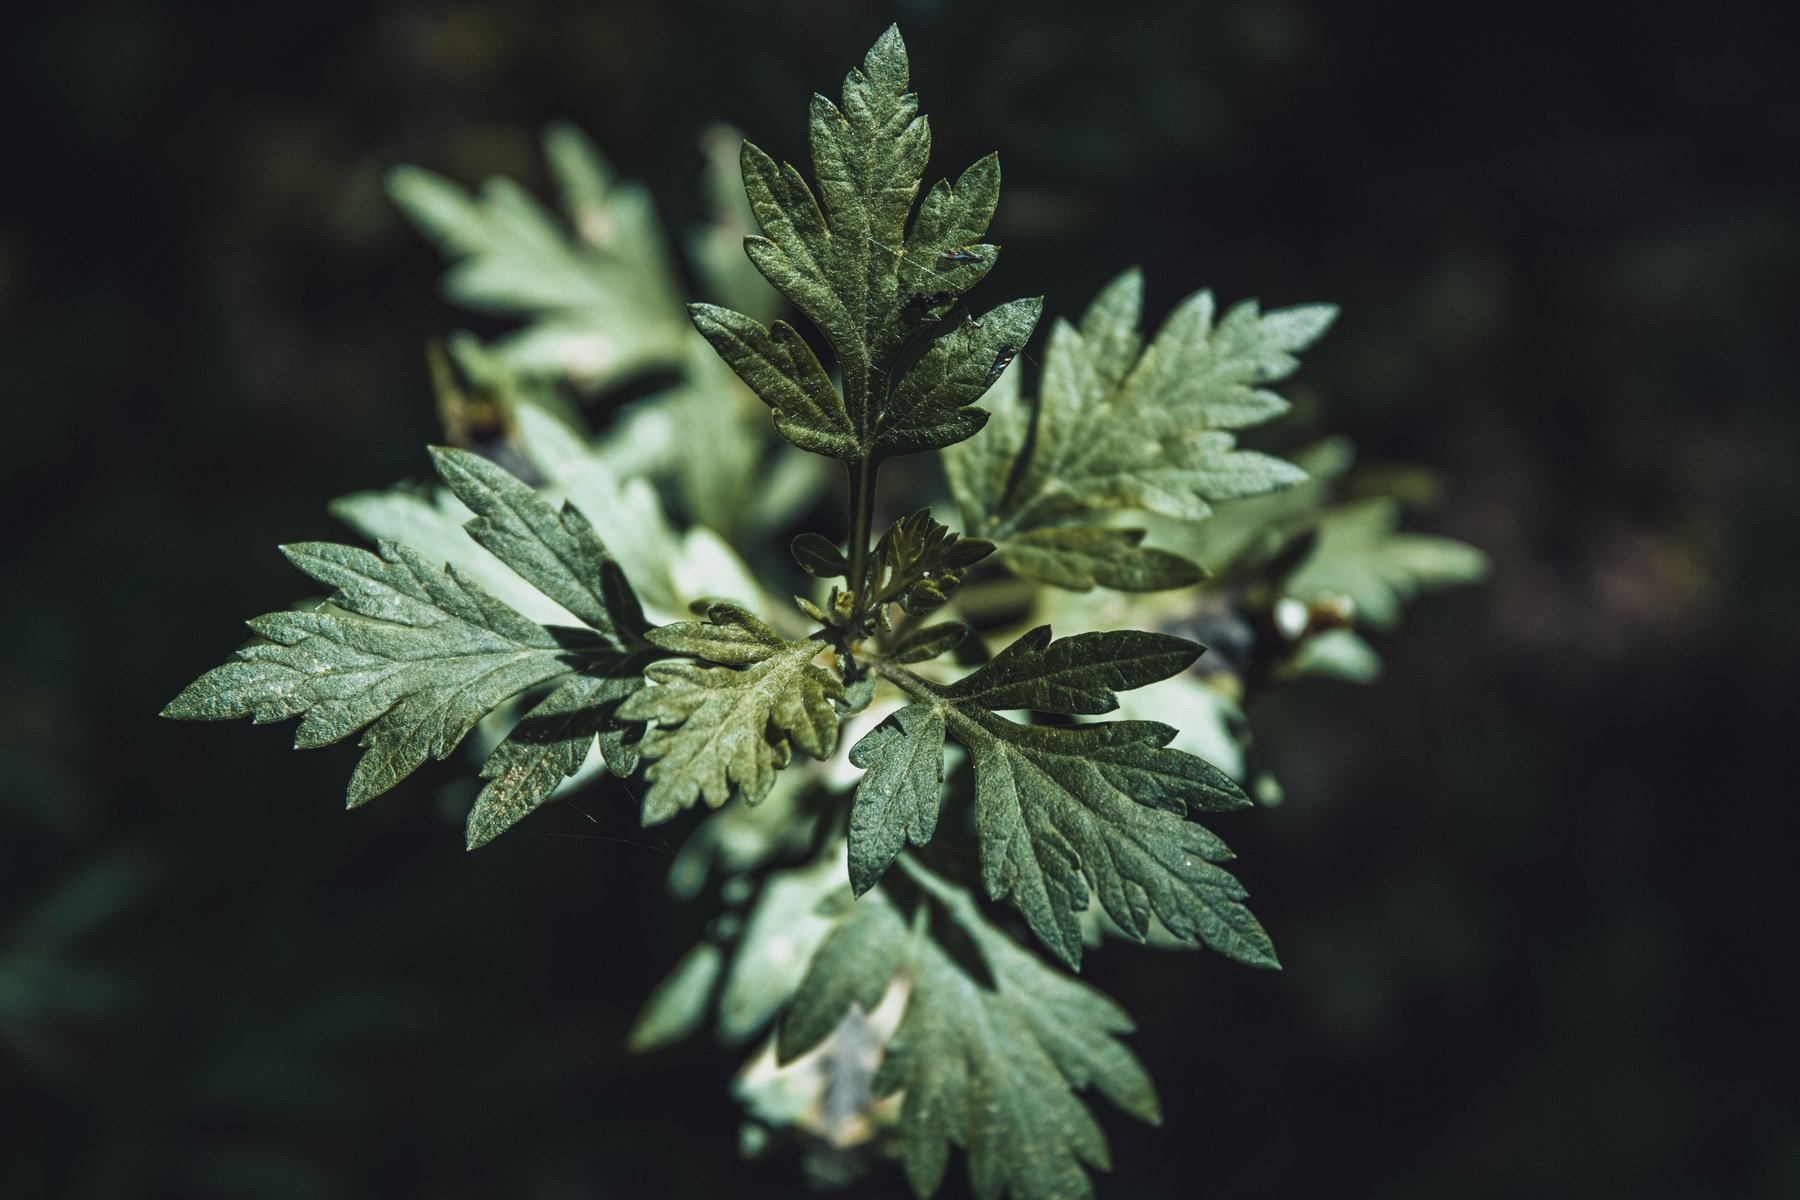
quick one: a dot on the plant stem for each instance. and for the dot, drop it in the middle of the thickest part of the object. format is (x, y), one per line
(862, 521)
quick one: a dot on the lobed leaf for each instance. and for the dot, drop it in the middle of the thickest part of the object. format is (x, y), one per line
(991, 1050)
(410, 654)
(722, 727)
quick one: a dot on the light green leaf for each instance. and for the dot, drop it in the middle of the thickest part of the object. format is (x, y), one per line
(1360, 555)
(719, 727)
(678, 1005)
(730, 635)
(414, 655)
(1082, 557)
(1336, 654)
(1122, 426)
(432, 524)
(791, 918)
(853, 965)
(598, 292)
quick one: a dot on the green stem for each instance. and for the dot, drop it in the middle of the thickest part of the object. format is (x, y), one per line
(862, 522)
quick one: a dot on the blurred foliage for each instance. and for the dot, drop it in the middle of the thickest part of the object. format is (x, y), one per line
(1562, 239)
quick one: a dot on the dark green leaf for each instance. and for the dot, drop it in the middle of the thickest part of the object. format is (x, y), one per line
(991, 1050)
(882, 295)
(819, 556)
(929, 641)
(1062, 809)
(1074, 675)
(930, 409)
(556, 552)
(900, 792)
(1084, 556)
(549, 744)
(781, 368)
(918, 563)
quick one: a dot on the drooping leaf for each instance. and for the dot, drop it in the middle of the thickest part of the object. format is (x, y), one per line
(991, 1050)
(883, 295)
(1062, 810)
(548, 745)
(723, 726)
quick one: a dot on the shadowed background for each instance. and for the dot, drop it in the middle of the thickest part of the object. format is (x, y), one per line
(1533, 911)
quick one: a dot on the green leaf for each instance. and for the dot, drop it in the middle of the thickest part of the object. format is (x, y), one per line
(1074, 675)
(930, 409)
(433, 526)
(719, 727)
(598, 291)
(854, 964)
(881, 294)
(678, 1005)
(900, 793)
(794, 913)
(819, 556)
(1335, 654)
(991, 1050)
(414, 655)
(1119, 425)
(730, 635)
(1360, 555)
(918, 562)
(549, 744)
(778, 365)
(556, 552)
(1082, 557)
(929, 641)
(1062, 810)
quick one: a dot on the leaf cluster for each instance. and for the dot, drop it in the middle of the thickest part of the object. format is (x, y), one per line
(866, 897)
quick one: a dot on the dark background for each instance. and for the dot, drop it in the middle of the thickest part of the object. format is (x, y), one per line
(1534, 906)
